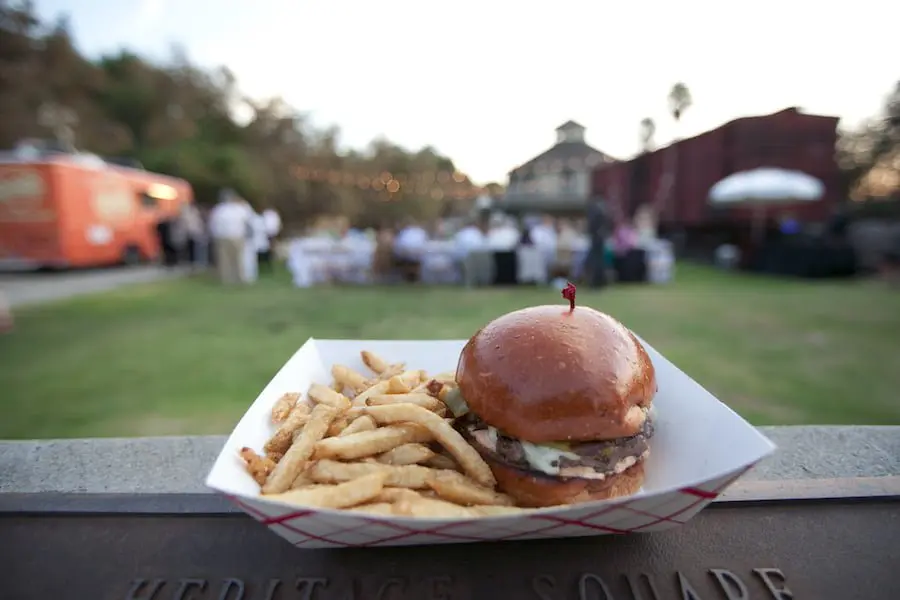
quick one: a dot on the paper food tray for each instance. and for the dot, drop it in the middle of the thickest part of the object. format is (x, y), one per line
(699, 448)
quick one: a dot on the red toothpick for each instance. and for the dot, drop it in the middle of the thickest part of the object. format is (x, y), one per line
(569, 294)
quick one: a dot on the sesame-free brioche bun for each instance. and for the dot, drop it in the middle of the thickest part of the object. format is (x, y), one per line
(548, 373)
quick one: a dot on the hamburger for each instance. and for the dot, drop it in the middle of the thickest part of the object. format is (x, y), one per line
(557, 401)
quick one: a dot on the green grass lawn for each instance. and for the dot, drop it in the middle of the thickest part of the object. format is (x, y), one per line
(187, 357)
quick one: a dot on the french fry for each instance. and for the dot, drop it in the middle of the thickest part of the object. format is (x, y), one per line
(442, 461)
(392, 371)
(283, 406)
(349, 493)
(424, 400)
(379, 388)
(339, 425)
(369, 443)
(459, 489)
(349, 378)
(362, 444)
(431, 508)
(447, 377)
(321, 394)
(397, 385)
(358, 425)
(294, 460)
(394, 494)
(283, 437)
(407, 454)
(469, 459)
(494, 511)
(407, 476)
(374, 508)
(302, 481)
(258, 466)
(377, 364)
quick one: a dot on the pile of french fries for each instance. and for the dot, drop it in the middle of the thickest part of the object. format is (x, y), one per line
(381, 445)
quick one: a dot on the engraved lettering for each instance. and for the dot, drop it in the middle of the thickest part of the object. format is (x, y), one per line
(386, 591)
(599, 585)
(634, 587)
(441, 588)
(731, 584)
(307, 586)
(232, 584)
(274, 584)
(687, 590)
(543, 586)
(141, 589)
(186, 588)
(778, 593)
(351, 592)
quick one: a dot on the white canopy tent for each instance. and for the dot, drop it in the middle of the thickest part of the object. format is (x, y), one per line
(764, 187)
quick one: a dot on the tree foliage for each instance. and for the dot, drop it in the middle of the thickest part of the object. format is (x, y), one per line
(870, 156)
(176, 118)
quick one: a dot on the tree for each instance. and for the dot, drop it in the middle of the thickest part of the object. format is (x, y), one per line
(679, 102)
(648, 130)
(178, 119)
(870, 156)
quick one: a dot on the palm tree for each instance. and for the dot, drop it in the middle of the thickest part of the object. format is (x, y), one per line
(648, 130)
(679, 101)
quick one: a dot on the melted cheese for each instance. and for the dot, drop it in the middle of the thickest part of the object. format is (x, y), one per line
(546, 458)
(540, 458)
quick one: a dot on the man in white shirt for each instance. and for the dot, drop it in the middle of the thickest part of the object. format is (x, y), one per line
(229, 224)
(466, 240)
(543, 234)
(503, 235)
(475, 267)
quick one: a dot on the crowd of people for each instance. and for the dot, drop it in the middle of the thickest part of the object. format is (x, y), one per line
(545, 248)
(239, 242)
(231, 236)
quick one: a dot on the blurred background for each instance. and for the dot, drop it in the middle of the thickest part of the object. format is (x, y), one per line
(188, 191)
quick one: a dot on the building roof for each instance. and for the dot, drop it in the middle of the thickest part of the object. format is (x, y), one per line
(541, 202)
(562, 152)
(570, 124)
(565, 152)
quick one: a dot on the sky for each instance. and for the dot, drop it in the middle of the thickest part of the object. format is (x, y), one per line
(487, 81)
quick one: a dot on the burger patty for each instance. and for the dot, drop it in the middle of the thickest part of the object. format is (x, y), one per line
(604, 456)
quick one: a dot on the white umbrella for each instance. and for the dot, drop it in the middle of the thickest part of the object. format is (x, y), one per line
(765, 187)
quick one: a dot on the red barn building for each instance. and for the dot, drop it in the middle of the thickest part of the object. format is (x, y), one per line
(788, 139)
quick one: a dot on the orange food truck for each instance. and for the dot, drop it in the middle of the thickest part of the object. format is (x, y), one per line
(75, 211)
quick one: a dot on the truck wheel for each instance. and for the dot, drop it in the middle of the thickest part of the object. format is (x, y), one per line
(132, 256)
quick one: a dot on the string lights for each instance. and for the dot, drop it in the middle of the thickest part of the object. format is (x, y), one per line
(436, 184)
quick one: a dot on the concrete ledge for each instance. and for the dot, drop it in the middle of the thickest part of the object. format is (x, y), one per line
(180, 464)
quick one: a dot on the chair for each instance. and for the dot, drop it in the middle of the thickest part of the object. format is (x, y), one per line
(478, 268)
(299, 265)
(531, 266)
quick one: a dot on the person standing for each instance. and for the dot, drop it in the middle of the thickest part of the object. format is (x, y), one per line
(250, 260)
(6, 316)
(272, 221)
(598, 231)
(195, 231)
(468, 240)
(262, 243)
(229, 222)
